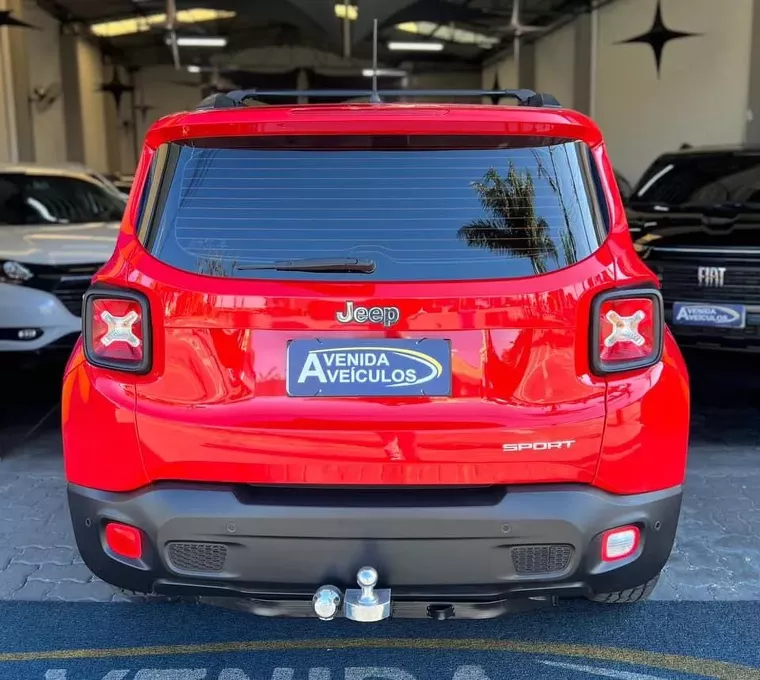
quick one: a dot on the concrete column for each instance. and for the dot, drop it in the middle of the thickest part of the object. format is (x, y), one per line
(752, 130)
(527, 73)
(14, 64)
(585, 63)
(72, 100)
(302, 83)
(113, 127)
(93, 106)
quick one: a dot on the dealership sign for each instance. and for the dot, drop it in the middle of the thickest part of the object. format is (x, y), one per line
(700, 314)
(369, 368)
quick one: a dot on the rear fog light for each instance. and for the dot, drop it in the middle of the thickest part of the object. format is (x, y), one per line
(124, 540)
(620, 543)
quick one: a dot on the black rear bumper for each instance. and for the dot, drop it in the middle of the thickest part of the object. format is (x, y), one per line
(470, 546)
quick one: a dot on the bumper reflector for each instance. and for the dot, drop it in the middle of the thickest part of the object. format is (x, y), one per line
(124, 540)
(620, 543)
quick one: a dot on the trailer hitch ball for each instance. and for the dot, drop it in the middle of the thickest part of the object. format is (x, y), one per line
(326, 602)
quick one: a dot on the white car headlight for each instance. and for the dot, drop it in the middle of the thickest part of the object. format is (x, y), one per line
(16, 272)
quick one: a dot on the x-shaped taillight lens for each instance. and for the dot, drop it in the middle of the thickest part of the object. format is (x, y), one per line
(120, 329)
(625, 328)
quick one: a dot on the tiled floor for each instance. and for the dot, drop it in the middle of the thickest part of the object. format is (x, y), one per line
(717, 552)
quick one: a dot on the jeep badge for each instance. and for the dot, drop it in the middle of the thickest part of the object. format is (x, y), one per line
(384, 315)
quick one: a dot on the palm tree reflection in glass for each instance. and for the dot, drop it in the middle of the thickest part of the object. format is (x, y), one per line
(511, 225)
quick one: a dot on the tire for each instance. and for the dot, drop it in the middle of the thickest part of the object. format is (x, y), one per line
(630, 596)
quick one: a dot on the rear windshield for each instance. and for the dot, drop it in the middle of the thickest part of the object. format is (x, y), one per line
(55, 199)
(700, 179)
(416, 209)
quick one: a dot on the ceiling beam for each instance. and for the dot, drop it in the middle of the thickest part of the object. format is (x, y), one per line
(568, 11)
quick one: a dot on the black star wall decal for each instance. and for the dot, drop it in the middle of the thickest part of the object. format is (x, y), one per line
(116, 88)
(658, 36)
(7, 20)
(143, 110)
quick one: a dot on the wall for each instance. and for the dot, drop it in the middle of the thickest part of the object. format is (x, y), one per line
(18, 144)
(167, 91)
(451, 80)
(501, 76)
(555, 64)
(701, 96)
(163, 90)
(43, 49)
(6, 128)
(93, 107)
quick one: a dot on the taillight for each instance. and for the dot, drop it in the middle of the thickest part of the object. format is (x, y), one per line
(116, 329)
(627, 329)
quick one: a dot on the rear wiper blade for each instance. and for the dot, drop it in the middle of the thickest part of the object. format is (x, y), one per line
(333, 265)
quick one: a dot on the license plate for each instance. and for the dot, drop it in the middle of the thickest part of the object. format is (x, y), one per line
(369, 368)
(711, 315)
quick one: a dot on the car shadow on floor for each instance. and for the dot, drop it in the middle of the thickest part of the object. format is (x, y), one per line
(725, 395)
(30, 400)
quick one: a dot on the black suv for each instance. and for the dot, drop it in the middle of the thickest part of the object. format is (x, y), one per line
(695, 219)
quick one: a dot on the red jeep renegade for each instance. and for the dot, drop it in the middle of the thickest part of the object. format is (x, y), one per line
(371, 358)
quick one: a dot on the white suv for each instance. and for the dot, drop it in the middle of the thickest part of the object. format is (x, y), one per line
(57, 228)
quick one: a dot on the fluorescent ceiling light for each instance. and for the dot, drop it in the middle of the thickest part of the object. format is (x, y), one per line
(448, 33)
(342, 9)
(384, 72)
(201, 40)
(416, 46)
(113, 29)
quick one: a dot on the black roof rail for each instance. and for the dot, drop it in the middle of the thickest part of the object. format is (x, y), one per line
(239, 98)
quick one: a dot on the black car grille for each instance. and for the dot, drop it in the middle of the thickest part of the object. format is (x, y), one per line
(541, 559)
(204, 557)
(68, 283)
(741, 283)
(71, 297)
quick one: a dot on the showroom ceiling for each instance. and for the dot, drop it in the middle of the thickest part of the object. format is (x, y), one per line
(468, 30)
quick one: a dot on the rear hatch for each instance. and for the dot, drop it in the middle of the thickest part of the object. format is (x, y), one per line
(372, 310)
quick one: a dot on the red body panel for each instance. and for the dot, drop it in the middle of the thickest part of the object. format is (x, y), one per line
(99, 436)
(214, 406)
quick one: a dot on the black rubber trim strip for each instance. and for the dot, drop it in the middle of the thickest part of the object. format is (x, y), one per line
(162, 174)
(599, 367)
(100, 291)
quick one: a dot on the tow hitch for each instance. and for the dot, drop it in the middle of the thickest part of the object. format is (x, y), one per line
(359, 604)
(368, 604)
